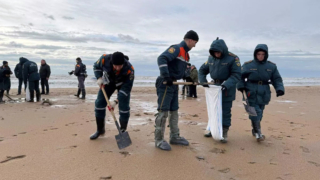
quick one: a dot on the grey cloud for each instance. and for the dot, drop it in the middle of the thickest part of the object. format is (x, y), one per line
(30, 24)
(77, 37)
(68, 17)
(49, 16)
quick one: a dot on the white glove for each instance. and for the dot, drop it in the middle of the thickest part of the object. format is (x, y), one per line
(114, 103)
(100, 82)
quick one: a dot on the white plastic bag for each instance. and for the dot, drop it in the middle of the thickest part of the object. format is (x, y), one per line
(27, 92)
(214, 108)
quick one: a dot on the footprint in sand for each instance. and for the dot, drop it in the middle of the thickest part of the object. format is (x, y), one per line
(251, 162)
(314, 163)
(23, 133)
(125, 153)
(226, 170)
(218, 151)
(304, 149)
(107, 177)
(200, 158)
(9, 158)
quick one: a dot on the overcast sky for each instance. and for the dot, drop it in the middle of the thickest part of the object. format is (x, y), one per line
(61, 30)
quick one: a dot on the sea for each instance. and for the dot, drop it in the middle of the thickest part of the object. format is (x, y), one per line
(66, 81)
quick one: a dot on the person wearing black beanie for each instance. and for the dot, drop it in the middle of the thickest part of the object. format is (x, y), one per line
(172, 64)
(113, 72)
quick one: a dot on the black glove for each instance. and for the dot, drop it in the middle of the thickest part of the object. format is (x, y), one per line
(242, 89)
(205, 85)
(223, 88)
(280, 93)
(169, 81)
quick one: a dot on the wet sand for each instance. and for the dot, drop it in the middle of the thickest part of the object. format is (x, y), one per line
(52, 141)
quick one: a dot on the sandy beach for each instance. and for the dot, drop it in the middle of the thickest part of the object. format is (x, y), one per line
(52, 141)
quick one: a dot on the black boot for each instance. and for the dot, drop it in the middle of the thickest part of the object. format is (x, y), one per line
(257, 131)
(225, 134)
(100, 129)
(83, 94)
(123, 125)
(1, 96)
(31, 97)
(38, 96)
(78, 93)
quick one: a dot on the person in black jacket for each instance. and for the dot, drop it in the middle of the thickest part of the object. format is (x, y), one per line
(18, 74)
(30, 74)
(44, 76)
(7, 81)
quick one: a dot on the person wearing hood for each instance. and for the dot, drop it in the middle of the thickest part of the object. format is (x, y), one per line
(194, 78)
(44, 76)
(114, 72)
(257, 75)
(7, 81)
(225, 70)
(30, 74)
(18, 74)
(81, 72)
(172, 65)
(4, 73)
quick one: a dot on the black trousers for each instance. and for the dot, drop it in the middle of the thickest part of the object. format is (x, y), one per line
(44, 82)
(20, 85)
(192, 91)
(34, 86)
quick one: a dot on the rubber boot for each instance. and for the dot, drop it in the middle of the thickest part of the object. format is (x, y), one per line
(1, 97)
(225, 134)
(78, 93)
(100, 129)
(159, 131)
(257, 129)
(31, 97)
(38, 96)
(123, 126)
(83, 94)
(208, 134)
(175, 137)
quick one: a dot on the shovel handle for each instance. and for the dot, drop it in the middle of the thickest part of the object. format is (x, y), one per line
(108, 103)
(188, 83)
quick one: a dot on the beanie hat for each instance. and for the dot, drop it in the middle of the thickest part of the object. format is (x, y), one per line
(5, 62)
(117, 58)
(192, 35)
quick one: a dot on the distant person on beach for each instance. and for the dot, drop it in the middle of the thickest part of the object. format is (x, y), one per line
(114, 72)
(7, 80)
(30, 74)
(81, 72)
(186, 78)
(194, 79)
(18, 74)
(172, 65)
(44, 76)
(257, 75)
(225, 70)
(4, 73)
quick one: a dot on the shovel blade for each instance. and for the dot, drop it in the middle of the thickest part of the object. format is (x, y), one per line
(250, 110)
(123, 140)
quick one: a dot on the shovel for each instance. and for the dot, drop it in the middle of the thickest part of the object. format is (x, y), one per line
(250, 110)
(10, 98)
(123, 138)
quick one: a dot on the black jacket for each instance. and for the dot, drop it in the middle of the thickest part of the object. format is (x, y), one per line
(44, 71)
